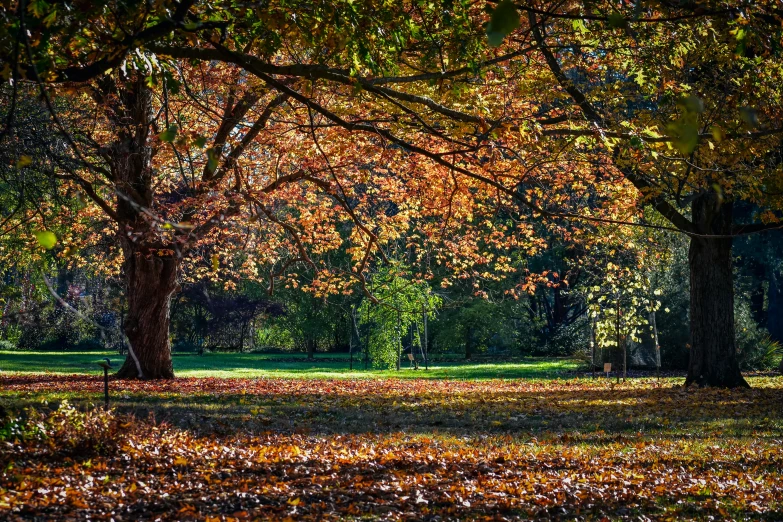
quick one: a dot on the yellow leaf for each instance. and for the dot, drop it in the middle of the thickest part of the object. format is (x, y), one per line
(180, 461)
(294, 502)
(23, 162)
(46, 238)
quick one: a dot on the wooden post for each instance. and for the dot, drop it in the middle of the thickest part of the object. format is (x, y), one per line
(367, 339)
(106, 385)
(426, 351)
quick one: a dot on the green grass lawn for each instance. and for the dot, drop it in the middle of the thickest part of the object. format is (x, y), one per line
(273, 365)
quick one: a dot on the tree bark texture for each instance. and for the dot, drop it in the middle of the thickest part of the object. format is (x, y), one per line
(150, 267)
(713, 355)
(151, 282)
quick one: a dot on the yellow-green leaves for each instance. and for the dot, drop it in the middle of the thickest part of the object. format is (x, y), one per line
(504, 20)
(212, 160)
(685, 131)
(23, 161)
(45, 238)
(169, 134)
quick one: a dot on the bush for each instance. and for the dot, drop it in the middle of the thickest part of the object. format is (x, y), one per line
(66, 431)
(7, 345)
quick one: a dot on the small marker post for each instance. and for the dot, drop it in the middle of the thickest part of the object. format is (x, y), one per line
(106, 364)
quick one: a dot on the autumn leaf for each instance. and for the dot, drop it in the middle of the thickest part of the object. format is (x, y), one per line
(46, 238)
(23, 161)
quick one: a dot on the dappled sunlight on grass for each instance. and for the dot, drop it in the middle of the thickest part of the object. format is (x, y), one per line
(287, 365)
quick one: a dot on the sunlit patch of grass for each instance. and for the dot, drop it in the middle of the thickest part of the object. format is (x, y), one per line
(325, 366)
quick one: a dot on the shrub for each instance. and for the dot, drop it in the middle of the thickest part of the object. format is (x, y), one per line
(66, 431)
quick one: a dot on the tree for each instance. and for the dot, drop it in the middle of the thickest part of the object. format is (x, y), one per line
(692, 129)
(582, 114)
(402, 305)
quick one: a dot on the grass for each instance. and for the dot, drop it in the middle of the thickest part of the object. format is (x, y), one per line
(236, 365)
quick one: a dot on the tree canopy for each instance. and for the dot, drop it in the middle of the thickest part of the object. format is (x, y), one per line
(212, 138)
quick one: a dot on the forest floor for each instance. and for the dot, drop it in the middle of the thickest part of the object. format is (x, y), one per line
(208, 448)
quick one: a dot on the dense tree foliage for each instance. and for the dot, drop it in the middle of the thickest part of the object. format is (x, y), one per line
(223, 141)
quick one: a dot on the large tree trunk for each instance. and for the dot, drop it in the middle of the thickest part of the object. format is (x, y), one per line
(713, 356)
(150, 265)
(151, 281)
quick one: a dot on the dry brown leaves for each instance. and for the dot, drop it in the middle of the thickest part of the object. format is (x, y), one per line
(221, 449)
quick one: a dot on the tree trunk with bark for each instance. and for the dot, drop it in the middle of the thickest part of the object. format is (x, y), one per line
(151, 282)
(468, 343)
(713, 356)
(775, 305)
(310, 346)
(150, 266)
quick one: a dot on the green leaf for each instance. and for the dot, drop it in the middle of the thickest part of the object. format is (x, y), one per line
(692, 104)
(686, 136)
(212, 160)
(717, 133)
(46, 238)
(504, 19)
(200, 141)
(169, 134)
(50, 18)
(616, 20)
(37, 8)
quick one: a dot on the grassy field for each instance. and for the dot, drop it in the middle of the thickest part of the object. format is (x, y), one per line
(455, 443)
(229, 365)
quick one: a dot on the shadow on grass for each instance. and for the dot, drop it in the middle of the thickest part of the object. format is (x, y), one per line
(581, 409)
